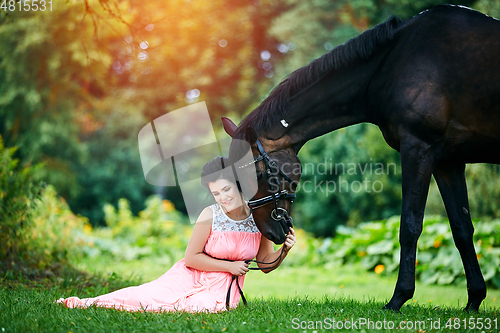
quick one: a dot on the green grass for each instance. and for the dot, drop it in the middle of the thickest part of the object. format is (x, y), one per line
(25, 310)
(345, 281)
(278, 302)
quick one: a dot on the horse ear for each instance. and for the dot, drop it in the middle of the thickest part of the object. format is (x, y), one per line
(229, 126)
(250, 135)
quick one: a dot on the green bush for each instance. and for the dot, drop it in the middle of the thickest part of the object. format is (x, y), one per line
(375, 246)
(158, 230)
(38, 231)
(55, 232)
(17, 204)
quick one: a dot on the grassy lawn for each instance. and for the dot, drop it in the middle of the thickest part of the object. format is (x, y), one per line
(286, 300)
(345, 281)
(31, 310)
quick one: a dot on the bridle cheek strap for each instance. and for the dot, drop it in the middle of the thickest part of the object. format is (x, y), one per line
(278, 214)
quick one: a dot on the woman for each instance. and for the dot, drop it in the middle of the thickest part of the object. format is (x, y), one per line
(224, 236)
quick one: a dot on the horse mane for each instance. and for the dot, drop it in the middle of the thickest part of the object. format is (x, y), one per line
(272, 109)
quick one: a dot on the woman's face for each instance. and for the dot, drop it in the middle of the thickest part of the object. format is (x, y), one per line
(226, 194)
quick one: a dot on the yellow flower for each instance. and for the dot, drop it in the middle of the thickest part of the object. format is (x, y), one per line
(479, 255)
(437, 243)
(379, 269)
(167, 205)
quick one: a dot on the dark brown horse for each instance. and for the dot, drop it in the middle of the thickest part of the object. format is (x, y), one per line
(432, 86)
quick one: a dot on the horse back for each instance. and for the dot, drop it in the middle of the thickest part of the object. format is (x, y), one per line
(441, 82)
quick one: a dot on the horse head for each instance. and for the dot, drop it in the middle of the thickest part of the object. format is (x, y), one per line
(276, 173)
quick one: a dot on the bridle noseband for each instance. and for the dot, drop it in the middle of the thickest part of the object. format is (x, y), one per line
(278, 214)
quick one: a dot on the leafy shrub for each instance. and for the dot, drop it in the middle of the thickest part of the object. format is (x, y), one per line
(17, 203)
(54, 233)
(158, 230)
(375, 246)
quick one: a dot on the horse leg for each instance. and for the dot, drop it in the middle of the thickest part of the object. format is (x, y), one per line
(453, 188)
(417, 162)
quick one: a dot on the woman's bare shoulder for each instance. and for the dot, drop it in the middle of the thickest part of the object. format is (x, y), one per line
(206, 216)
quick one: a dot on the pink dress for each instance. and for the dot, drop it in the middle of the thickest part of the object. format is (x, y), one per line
(188, 289)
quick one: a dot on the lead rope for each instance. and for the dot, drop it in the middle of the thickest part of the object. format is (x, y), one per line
(236, 277)
(228, 296)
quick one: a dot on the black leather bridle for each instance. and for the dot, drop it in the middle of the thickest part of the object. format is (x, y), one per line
(278, 214)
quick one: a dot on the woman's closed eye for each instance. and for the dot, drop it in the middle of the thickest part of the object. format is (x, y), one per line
(225, 189)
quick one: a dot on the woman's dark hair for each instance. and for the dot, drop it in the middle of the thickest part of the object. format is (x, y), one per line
(218, 168)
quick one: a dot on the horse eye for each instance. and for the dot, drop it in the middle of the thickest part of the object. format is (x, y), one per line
(259, 175)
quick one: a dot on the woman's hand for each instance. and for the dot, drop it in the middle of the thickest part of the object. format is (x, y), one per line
(238, 268)
(290, 240)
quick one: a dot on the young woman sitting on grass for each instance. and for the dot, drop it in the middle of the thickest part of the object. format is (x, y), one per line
(224, 236)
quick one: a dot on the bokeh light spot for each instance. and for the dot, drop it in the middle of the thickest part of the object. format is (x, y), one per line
(328, 46)
(222, 43)
(142, 56)
(192, 96)
(282, 48)
(194, 93)
(265, 55)
(150, 27)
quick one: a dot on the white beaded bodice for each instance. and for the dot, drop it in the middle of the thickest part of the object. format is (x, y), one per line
(222, 222)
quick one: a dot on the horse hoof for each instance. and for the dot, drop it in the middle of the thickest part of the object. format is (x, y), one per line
(472, 307)
(391, 308)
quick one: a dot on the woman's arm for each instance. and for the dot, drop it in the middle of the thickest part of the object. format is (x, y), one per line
(267, 254)
(195, 258)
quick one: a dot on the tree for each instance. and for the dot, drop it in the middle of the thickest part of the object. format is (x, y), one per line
(69, 76)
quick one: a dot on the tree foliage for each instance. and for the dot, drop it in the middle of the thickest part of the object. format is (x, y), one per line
(77, 83)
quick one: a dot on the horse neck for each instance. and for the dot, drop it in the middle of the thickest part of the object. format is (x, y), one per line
(335, 101)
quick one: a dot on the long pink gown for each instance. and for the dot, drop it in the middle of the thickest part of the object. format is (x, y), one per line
(188, 289)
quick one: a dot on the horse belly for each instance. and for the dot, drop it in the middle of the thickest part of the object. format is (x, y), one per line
(472, 152)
